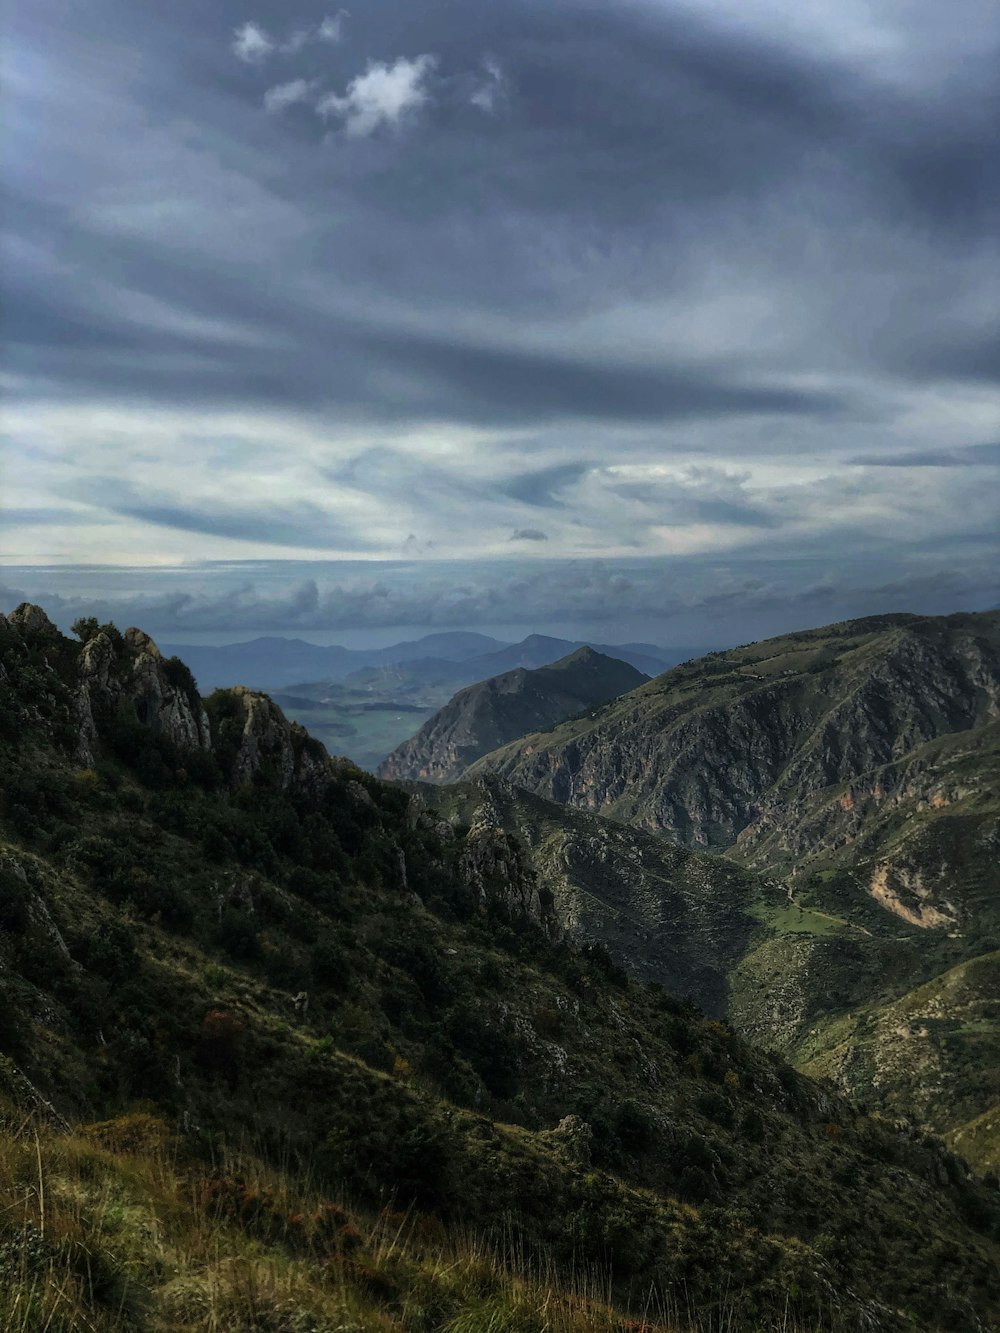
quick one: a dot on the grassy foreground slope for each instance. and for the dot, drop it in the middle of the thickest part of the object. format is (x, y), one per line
(205, 917)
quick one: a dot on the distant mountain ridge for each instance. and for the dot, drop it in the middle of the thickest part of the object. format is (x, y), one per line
(492, 712)
(457, 658)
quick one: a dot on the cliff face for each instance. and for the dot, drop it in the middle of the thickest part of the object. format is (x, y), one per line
(744, 743)
(114, 682)
(484, 716)
(131, 674)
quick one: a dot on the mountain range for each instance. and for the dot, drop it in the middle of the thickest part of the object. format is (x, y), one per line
(455, 658)
(285, 1046)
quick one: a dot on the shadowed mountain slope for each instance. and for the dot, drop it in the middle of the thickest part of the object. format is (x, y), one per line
(489, 714)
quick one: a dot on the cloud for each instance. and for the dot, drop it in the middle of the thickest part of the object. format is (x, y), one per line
(971, 455)
(284, 95)
(665, 601)
(490, 88)
(332, 28)
(384, 95)
(528, 535)
(251, 44)
(544, 486)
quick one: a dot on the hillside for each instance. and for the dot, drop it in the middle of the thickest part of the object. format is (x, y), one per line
(861, 765)
(330, 994)
(484, 716)
(746, 742)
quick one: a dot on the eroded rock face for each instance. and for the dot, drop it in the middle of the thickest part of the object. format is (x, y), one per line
(269, 741)
(495, 867)
(134, 674)
(903, 890)
(31, 619)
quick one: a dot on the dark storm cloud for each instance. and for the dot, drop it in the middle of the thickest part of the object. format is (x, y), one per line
(628, 136)
(653, 273)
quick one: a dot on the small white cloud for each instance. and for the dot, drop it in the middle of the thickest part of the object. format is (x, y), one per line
(332, 29)
(491, 89)
(252, 44)
(283, 95)
(383, 95)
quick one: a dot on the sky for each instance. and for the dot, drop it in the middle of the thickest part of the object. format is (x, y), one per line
(655, 319)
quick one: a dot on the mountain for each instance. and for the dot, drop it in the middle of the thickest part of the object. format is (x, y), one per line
(748, 743)
(539, 650)
(272, 662)
(484, 716)
(454, 658)
(861, 765)
(287, 1047)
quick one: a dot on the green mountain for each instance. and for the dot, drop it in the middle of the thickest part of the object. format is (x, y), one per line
(347, 1072)
(860, 764)
(747, 744)
(484, 716)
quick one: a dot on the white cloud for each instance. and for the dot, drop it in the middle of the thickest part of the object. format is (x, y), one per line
(332, 29)
(491, 89)
(383, 95)
(252, 44)
(284, 95)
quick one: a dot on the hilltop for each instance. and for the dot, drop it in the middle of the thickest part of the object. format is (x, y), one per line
(484, 716)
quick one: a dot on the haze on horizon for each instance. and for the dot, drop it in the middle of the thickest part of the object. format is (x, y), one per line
(658, 320)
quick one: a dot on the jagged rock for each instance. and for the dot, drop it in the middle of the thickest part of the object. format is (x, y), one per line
(137, 677)
(496, 868)
(30, 619)
(270, 741)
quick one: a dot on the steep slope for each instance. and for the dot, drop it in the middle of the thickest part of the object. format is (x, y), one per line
(860, 763)
(742, 742)
(680, 919)
(274, 949)
(483, 717)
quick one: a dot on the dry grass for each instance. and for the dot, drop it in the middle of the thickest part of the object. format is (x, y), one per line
(113, 1229)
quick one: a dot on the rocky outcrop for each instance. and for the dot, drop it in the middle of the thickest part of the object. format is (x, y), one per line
(487, 715)
(270, 743)
(128, 671)
(496, 867)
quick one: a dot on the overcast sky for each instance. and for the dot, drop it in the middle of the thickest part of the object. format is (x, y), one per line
(648, 315)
